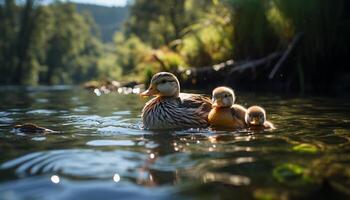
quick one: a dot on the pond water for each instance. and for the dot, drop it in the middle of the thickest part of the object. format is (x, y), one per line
(100, 151)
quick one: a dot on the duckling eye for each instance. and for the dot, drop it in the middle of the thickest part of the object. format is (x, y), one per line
(227, 95)
(163, 81)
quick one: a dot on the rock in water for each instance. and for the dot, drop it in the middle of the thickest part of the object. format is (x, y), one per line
(30, 128)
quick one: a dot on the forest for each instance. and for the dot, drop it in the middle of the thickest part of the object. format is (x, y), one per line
(284, 45)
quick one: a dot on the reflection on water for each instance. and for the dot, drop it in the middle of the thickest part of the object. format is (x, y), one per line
(101, 152)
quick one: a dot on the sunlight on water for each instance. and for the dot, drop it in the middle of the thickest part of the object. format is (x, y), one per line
(55, 179)
(99, 144)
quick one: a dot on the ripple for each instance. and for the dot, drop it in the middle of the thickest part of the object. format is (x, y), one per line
(38, 139)
(42, 100)
(91, 121)
(122, 112)
(81, 109)
(42, 188)
(6, 120)
(3, 114)
(41, 112)
(174, 162)
(113, 130)
(111, 143)
(236, 180)
(80, 163)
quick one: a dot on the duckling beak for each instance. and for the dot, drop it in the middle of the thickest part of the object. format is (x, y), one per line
(255, 121)
(215, 102)
(152, 90)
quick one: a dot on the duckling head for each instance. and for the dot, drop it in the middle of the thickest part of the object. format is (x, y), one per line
(163, 84)
(223, 97)
(255, 116)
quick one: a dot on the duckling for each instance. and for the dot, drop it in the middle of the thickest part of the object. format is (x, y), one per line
(170, 109)
(30, 128)
(224, 113)
(256, 119)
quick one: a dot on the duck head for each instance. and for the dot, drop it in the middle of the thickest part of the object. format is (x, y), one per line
(223, 97)
(163, 84)
(255, 116)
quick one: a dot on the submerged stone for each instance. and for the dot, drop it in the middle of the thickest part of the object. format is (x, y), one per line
(30, 128)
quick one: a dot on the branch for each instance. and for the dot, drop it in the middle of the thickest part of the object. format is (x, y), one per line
(286, 54)
(255, 63)
(162, 64)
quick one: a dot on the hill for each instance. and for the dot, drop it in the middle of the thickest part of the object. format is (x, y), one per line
(108, 19)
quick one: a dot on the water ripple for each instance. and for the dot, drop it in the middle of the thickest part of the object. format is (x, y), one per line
(78, 163)
(41, 112)
(110, 143)
(114, 130)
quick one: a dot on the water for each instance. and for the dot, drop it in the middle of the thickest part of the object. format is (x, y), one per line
(100, 151)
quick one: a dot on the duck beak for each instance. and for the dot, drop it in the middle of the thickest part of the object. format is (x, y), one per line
(152, 90)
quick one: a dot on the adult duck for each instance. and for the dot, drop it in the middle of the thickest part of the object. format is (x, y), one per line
(170, 109)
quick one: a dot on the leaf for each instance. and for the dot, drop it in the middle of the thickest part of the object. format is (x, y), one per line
(305, 148)
(290, 174)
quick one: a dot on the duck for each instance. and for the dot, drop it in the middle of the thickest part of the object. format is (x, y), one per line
(170, 109)
(225, 114)
(256, 119)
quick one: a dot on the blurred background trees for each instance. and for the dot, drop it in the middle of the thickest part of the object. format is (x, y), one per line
(60, 44)
(51, 44)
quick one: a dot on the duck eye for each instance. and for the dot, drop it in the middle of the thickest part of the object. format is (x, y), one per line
(163, 81)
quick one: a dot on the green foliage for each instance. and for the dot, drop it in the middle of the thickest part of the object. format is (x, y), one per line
(253, 35)
(51, 44)
(157, 22)
(208, 32)
(183, 33)
(208, 41)
(130, 52)
(54, 44)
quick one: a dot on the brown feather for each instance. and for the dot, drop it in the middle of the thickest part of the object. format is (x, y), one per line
(185, 111)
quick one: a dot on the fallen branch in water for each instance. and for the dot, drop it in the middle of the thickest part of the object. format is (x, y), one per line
(230, 67)
(255, 63)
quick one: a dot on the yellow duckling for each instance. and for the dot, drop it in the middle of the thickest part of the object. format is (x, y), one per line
(256, 119)
(224, 113)
(171, 109)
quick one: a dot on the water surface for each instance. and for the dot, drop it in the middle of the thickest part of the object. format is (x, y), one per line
(101, 152)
